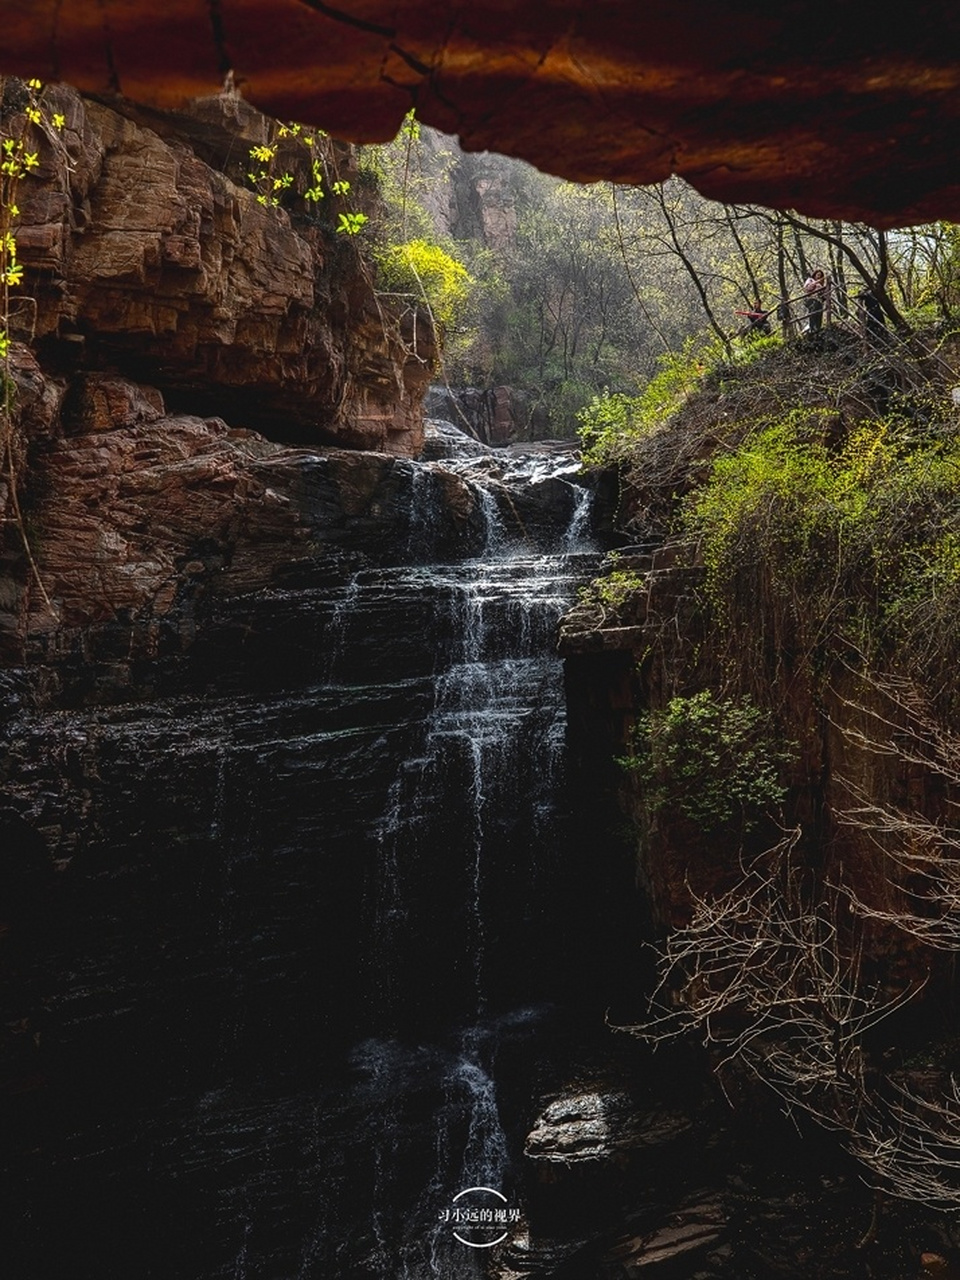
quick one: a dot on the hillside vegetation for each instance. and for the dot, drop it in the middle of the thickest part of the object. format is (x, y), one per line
(567, 292)
(817, 482)
(793, 769)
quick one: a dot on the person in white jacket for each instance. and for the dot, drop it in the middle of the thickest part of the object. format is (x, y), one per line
(817, 290)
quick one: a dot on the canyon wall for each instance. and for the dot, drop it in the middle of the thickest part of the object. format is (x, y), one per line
(807, 105)
(176, 341)
(805, 933)
(148, 253)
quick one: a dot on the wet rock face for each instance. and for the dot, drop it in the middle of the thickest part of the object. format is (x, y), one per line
(597, 1125)
(147, 253)
(280, 809)
(530, 486)
(825, 110)
(145, 524)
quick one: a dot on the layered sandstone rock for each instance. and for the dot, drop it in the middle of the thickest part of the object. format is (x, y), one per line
(800, 104)
(145, 258)
(157, 281)
(141, 522)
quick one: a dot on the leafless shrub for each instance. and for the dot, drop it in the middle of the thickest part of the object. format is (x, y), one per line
(767, 978)
(921, 853)
(763, 976)
(912, 1144)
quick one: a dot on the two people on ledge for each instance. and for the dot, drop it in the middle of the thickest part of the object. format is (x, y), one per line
(816, 294)
(818, 297)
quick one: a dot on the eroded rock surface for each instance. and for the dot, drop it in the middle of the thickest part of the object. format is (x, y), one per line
(139, 526)
(818, 107)
(147, 252)
(498, 415)
(599, 1125)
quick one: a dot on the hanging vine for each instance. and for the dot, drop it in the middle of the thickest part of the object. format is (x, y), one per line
(20, 145)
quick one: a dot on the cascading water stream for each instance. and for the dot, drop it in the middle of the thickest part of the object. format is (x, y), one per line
(492, 748)
(333, 922)
(296, 975)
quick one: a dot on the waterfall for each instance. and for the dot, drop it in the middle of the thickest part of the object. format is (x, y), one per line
(577, 530)
(496, 537)
(490, 749)
(342, 609)
(330, 929)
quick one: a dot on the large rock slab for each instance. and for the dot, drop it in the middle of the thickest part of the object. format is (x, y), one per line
(820, 107)
(599, 1125)
(147, 253)
(143, 521)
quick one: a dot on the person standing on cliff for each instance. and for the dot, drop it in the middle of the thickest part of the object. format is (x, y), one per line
(817, 290)
(758, 322)
(873, 325)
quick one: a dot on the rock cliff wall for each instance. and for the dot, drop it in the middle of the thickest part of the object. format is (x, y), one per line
(807, 105)
(808, 943)
(499, 415)
(177, 340)
(853, 737)
(148, 254)
(140, 521)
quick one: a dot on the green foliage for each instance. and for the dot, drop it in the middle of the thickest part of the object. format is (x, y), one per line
(811, 510)
(613, 422)
(757, 348)
(350, 224)
(270, 185)
(710, 759)
(405, 181)
(421, 269)
(19, 157)
(613, 590)
(832, 539)
(262, 179)
(609, 425)
(771, 500)
(938, 290)
(419, 254)
(589, 286)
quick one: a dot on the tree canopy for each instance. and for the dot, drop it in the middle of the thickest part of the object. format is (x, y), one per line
(570, 292)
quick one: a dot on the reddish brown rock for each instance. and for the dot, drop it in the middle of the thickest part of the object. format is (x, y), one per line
(145, 258)
(140, 517)
(38, 397)
(102, 402)
(817, 106)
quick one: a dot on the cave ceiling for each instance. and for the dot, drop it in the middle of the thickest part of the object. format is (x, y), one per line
(839, 109)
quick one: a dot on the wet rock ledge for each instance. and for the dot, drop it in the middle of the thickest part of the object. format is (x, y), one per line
(144, 524)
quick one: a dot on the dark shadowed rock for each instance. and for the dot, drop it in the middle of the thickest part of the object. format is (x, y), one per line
(804, 105)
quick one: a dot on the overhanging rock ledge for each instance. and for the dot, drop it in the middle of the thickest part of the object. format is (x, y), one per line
(815, 106)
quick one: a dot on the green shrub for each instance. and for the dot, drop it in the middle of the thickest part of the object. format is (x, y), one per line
(835, 541)
(420, 268)
(758, 348)
(613, 590)
(710, 759)
(613, 422)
